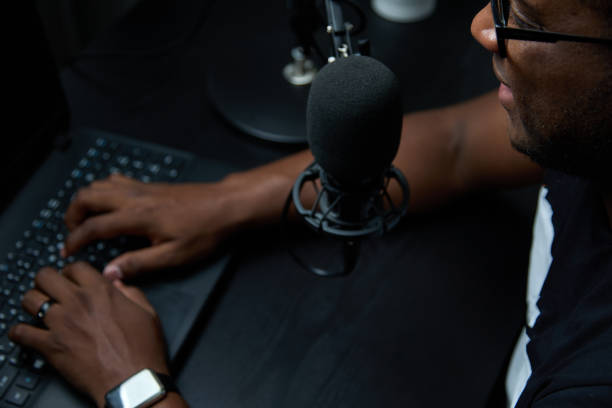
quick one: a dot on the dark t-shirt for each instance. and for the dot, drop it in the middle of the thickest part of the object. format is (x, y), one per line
(570, 347)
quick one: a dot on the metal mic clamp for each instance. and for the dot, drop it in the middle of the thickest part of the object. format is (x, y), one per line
(347, 215)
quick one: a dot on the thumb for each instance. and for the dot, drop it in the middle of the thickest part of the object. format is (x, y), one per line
(133, 263)
(135, 295)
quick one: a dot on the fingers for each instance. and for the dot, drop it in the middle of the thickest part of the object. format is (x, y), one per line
(31, 337)
(49, 281)
(135, 295)
(105, 226)
(82, 274)
(93, 199)
(100, 197)
(134, 262)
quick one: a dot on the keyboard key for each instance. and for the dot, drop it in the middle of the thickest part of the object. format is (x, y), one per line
(35, 252)
(24, 318)
(123, 161)
(17, 396)
(53, 204)
(76, 174)
(7, 375)
(6, 346)
(46, 214)
(154, 168)
(27, 380)
(84, 163)
(38, 224)
(92, 152)
(168, 159)
(38, 364)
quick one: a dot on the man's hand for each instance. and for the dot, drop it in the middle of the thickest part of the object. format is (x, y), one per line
(183, 222)
(99, 333)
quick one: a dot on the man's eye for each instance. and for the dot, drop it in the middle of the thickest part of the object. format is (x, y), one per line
(520, 22)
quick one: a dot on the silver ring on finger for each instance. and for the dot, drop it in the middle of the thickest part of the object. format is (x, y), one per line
(43, 309)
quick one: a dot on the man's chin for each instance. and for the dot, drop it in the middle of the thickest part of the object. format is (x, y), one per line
(520, 141)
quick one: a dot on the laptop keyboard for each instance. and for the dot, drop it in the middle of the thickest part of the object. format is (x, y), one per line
(22, 371)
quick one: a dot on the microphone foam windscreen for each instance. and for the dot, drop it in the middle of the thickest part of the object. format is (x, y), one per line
(354, 119)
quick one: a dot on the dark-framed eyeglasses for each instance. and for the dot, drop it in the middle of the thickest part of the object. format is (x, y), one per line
(501, 11)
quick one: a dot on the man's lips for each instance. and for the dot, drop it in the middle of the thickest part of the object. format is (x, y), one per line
(505, 95)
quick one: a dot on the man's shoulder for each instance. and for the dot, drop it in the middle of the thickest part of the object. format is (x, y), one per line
(592, 396)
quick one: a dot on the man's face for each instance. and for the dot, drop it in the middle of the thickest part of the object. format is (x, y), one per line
(557, 95)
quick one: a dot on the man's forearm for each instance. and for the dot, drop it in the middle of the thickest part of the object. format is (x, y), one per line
(259, 194)
(443, 152)
(449, 151)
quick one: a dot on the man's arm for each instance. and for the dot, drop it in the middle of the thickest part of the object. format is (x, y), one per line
(461, 148)
(443, 153)
(593, 396)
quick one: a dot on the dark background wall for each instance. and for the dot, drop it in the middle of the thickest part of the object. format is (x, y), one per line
(71, 24)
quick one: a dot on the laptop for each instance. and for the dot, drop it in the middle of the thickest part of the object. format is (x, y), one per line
(44, 164)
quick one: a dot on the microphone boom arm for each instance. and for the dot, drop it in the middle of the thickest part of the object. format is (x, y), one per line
(340, 32)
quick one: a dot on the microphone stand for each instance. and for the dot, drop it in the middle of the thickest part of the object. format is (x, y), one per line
(350, 250)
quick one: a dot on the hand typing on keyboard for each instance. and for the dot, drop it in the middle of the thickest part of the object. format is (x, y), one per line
(97, 333)
(183, 222)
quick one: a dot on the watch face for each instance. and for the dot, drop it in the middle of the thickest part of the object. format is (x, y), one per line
(141, 390)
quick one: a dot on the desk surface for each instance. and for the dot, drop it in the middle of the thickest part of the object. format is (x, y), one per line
(428, 316)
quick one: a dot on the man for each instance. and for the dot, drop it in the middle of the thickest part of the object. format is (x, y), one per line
(552, 105)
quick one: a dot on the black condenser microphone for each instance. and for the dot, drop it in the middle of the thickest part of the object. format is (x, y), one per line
(354, 121)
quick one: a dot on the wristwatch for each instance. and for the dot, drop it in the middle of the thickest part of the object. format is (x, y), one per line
(141, 390)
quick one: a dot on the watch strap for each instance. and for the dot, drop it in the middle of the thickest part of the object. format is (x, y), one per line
(167, 382)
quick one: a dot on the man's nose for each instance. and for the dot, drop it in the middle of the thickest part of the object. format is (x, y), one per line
(483, 29)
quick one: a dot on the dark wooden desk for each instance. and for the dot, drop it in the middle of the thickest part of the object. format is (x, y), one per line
(428, 316)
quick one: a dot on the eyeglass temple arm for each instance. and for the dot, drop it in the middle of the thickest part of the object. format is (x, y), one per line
(547, 36)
